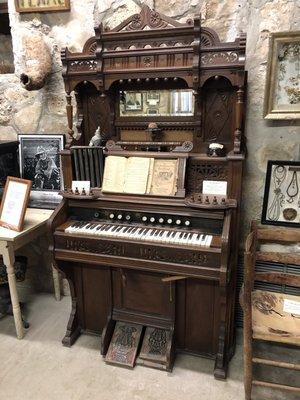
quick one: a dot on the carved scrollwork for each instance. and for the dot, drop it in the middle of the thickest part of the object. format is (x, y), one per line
(224, 57)
(199, 171)
(113, 249)
(92, 48)
(190, 258)
(146, 19)
(205, 40)
(82, 65)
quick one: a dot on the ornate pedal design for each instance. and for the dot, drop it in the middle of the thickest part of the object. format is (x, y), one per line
(156, 349)
(124, 344)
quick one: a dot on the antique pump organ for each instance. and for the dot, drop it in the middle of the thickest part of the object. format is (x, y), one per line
(154, 273)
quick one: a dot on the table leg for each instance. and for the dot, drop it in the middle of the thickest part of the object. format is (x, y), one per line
(9, 261)
(56, 282)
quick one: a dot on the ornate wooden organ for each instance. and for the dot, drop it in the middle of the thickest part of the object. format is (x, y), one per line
(166, 265)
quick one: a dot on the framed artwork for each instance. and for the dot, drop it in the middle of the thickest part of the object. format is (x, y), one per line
(26, 6)
(40, 162)
(133, 101)
(153, 97)
(281, 205)
(282, 92)
(14, 203)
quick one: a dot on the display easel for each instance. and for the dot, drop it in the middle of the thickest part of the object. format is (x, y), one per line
(255, 329)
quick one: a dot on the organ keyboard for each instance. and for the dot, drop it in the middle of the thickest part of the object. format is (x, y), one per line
(139, 233)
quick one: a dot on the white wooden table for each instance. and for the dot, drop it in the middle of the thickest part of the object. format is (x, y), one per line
(35, 225)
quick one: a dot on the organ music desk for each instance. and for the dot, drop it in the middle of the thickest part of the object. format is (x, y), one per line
(153, 275)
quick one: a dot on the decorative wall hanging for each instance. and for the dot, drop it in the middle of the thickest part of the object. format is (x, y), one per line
(282, 93)
(282, 194)
(40, 162)
(26, 6)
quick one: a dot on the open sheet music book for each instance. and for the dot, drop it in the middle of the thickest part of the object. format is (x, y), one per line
(140, 175)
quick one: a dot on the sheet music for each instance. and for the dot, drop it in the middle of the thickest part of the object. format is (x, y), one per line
(114, 174)
(136, 175)
(165, 174)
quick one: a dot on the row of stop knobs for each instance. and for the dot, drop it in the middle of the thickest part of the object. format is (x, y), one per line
(151, 219)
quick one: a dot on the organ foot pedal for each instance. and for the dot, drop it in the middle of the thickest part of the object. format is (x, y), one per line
(156, 350)
(124, 344)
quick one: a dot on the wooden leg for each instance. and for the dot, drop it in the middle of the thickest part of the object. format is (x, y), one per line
(56, 282)
(9, 260)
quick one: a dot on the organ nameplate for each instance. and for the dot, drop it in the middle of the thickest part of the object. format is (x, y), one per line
(215, 187)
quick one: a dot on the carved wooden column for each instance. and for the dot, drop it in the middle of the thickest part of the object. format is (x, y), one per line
(238, 122)
(69, 108)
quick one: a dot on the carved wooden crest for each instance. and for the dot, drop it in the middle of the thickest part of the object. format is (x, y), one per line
(147, 19)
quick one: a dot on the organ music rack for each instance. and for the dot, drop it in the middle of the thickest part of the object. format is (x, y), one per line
(177, 291)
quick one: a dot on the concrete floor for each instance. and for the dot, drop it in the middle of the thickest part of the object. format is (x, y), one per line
(40, 368)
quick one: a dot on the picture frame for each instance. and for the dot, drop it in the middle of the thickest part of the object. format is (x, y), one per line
(40, 162)
(282, 194)
(29, 6)
(14, 203)
(282, 96)
(133, 101)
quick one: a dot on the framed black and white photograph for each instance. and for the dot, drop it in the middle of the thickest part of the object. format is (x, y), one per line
(40, 163)
(281, 204)
(133, 101)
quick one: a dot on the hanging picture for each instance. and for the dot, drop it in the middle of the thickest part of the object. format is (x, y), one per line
(281, 204)
(40, 163)
(282, 93)
(26, 6)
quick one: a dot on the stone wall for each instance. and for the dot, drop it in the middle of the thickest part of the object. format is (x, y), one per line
(6, 54)
(44, 111)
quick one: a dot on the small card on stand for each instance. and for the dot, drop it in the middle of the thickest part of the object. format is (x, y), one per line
(81, 187)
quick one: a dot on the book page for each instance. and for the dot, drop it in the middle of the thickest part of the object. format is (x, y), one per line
(114, 174)
(136, 175)
(164, 180)
(150, 175)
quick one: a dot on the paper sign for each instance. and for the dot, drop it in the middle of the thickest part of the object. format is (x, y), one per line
(215, 187)
(291, 306)
(86, 185)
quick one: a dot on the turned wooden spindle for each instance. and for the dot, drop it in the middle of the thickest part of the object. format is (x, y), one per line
(69, 108)
(238, 121)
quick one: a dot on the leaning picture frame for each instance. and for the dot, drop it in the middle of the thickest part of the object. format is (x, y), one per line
(282, 194)
(282, 96)
(14, 203)
(29, 6)
(40, 162)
